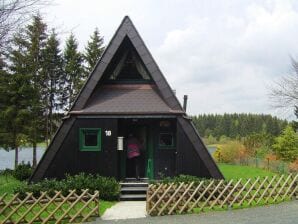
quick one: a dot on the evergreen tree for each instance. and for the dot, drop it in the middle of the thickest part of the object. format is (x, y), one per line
(94, 50)
(34, 41)
(286, 145)
(74, 72)
(52, 85)
(16, 94)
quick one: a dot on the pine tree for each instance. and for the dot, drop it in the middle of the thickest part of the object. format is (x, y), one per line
(93, 50)
(74, 72)
(16, 95)
(34, 41)
(52, 74)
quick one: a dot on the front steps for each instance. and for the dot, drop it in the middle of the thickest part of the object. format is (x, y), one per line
(134, 190)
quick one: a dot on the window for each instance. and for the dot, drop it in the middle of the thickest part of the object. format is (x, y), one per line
(166, 140)
(90, 139)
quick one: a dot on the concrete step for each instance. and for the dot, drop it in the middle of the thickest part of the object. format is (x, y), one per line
(138, 188)
(133, 184)
(124, 197)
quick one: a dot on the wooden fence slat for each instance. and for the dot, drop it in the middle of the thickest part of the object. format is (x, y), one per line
(231, 192)
(274, 188)
(221, 194)
(82, 208)
(211, 195)
(239, 193)
(17, 210)
(257, 191)
(266, 189)
(200, 197)
(170, 199)
(282, 186)
(160, 199)
(249, 190)
(290, 187)
(191, 197)
(180, 198)
(14, 210)
(30, 208)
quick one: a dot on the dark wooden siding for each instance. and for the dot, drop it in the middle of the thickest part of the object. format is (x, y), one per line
(69, 159)
(187, 159)
(164, 158)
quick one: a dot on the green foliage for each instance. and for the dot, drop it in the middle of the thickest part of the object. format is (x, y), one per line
(94, 50)
(229, 152)
(73, 68)
(22, 172)
(8, 182)
(236, 126)
(258, 143)
(108, 187)
(286, 145)
(181, 178)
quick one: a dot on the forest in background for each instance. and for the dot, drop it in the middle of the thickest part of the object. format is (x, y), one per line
(237, 125)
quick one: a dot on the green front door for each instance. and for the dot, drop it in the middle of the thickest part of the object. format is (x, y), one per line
(150, 165)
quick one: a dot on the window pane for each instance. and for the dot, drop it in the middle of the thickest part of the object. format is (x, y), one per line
(91, 138)
(166, 139)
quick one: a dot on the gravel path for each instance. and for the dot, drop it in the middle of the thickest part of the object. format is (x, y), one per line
(284, 213)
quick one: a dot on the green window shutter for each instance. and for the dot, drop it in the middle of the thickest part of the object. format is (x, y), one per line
(90, 139)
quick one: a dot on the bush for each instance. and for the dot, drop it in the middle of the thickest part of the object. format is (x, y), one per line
(22, 172)
(293, 167)
(183, 178)
(229, 152)
(109, 188)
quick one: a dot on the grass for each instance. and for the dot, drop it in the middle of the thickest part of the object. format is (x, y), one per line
(237, 171)
(8, 183)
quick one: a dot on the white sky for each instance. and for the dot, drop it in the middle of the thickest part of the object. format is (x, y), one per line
(223, 54)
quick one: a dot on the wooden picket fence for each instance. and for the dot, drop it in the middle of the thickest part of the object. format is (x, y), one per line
(49, 207)
(178, 198)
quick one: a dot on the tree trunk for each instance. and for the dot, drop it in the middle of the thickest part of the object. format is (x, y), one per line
(34, 160)
(16, 157)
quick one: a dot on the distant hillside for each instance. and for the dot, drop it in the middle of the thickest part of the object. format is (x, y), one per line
(237, 125)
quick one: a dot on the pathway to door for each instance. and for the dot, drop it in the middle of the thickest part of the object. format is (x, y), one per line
(285, 213)
(126, 210)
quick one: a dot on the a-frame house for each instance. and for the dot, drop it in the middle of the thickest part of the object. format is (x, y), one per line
(126, 93)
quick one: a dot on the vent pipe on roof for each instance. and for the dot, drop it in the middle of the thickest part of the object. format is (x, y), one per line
(185, 102)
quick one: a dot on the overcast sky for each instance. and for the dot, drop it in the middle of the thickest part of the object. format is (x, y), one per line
(223, 54)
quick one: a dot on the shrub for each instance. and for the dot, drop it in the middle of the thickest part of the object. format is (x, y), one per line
(182, 178)
(229, 152)
(293, 167)
(109, 188)
(22, 172)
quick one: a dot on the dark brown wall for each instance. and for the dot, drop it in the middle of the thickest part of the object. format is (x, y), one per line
(187, 160)
(69, 159)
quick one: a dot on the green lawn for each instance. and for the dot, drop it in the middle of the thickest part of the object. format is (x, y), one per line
(8, 183)
(237, 171)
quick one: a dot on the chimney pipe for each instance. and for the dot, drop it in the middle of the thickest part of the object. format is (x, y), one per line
(185, 102)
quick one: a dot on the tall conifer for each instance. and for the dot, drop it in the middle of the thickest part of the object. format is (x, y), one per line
(93, 50)
(74, 72)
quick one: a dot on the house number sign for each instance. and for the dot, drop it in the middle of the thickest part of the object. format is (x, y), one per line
(108, 132)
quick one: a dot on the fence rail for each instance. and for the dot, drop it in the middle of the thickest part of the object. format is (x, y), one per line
(177, 198)
(47, 207)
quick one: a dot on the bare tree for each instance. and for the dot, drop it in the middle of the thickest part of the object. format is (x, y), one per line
(13, 14)
(284, 94)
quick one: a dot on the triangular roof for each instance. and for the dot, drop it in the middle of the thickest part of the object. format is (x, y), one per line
(126, 30)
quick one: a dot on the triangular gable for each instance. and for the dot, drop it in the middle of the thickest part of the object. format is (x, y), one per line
(127, 29)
